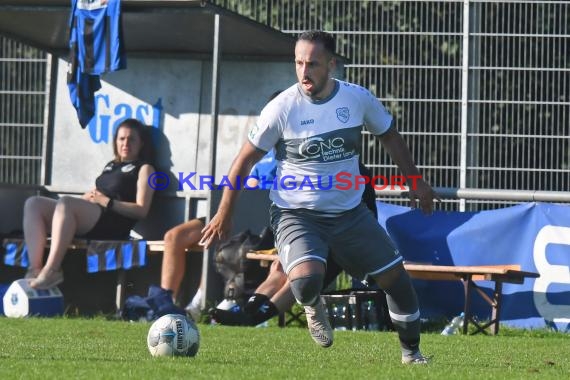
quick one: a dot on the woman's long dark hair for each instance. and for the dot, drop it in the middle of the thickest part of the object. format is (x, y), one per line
(147, 152)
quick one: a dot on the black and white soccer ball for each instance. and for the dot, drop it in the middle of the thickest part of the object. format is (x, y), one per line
(173, 335)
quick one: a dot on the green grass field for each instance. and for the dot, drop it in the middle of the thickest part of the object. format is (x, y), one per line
(72, 348)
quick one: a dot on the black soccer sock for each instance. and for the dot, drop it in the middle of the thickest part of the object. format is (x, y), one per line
(404, 312)
(231, 318)
(264, 312)
(254, 302)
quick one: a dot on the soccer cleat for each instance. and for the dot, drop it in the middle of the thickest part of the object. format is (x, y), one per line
(319, 326)
(416, 358)
(48, 278)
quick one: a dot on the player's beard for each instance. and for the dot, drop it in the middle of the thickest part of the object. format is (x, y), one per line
(313, 89)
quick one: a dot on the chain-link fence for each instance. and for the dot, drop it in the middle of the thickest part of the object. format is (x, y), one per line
(22, 112)
(480, 89)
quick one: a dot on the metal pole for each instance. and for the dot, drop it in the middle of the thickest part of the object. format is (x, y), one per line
(49, 107)
(209, 253)
(464, 102)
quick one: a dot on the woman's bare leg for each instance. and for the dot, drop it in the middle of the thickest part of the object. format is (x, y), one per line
(38, 214)
(72, 216)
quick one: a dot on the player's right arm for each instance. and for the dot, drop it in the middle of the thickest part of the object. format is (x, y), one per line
(262, 138)
(220, 225)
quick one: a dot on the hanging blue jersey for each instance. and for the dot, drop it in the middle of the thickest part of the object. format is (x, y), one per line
(97, 28)
(82, 92)
(96, 47)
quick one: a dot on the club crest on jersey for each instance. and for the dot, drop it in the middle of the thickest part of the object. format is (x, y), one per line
(343, 114)
(127, 168)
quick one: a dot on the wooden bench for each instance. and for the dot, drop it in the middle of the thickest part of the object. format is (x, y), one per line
(82, 245)
(498, 274)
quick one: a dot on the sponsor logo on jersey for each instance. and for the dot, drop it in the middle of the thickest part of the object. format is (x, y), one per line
(330, 149)
(307, 122)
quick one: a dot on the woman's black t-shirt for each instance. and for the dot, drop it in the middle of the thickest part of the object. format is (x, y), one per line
(118, 181)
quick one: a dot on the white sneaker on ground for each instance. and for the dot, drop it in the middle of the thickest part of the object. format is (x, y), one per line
(416, 358)
(194, 312)
(319, 326)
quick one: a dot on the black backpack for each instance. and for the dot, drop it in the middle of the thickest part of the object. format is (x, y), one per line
(241, 275)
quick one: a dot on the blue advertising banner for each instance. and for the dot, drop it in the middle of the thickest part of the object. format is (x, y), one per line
(535, 236)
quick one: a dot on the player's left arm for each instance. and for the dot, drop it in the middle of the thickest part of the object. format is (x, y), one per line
(419, 189)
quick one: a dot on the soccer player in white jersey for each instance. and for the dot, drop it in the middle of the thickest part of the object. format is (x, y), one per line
(315, 128)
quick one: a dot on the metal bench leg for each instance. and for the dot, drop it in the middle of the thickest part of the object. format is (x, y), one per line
(121, 283)
(467, 306)
(496, 310)
(494, 302)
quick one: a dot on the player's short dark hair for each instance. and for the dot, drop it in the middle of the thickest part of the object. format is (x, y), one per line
(326, 39)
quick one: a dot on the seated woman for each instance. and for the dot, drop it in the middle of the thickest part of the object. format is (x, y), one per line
(120, 198)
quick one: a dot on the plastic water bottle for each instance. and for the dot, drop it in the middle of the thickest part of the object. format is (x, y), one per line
(339, 317)
(455, 326)
(372, 317)
(352, 313)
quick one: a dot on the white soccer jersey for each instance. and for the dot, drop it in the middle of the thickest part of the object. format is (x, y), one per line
(315, 141)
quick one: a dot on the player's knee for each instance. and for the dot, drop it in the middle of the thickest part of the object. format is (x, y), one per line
(307, 289)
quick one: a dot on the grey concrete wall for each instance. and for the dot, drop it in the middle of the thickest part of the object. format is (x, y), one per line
(12, 199)
(173, 93)
(175, 96)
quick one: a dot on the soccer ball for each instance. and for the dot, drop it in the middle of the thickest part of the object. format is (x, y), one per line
(173, 335)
